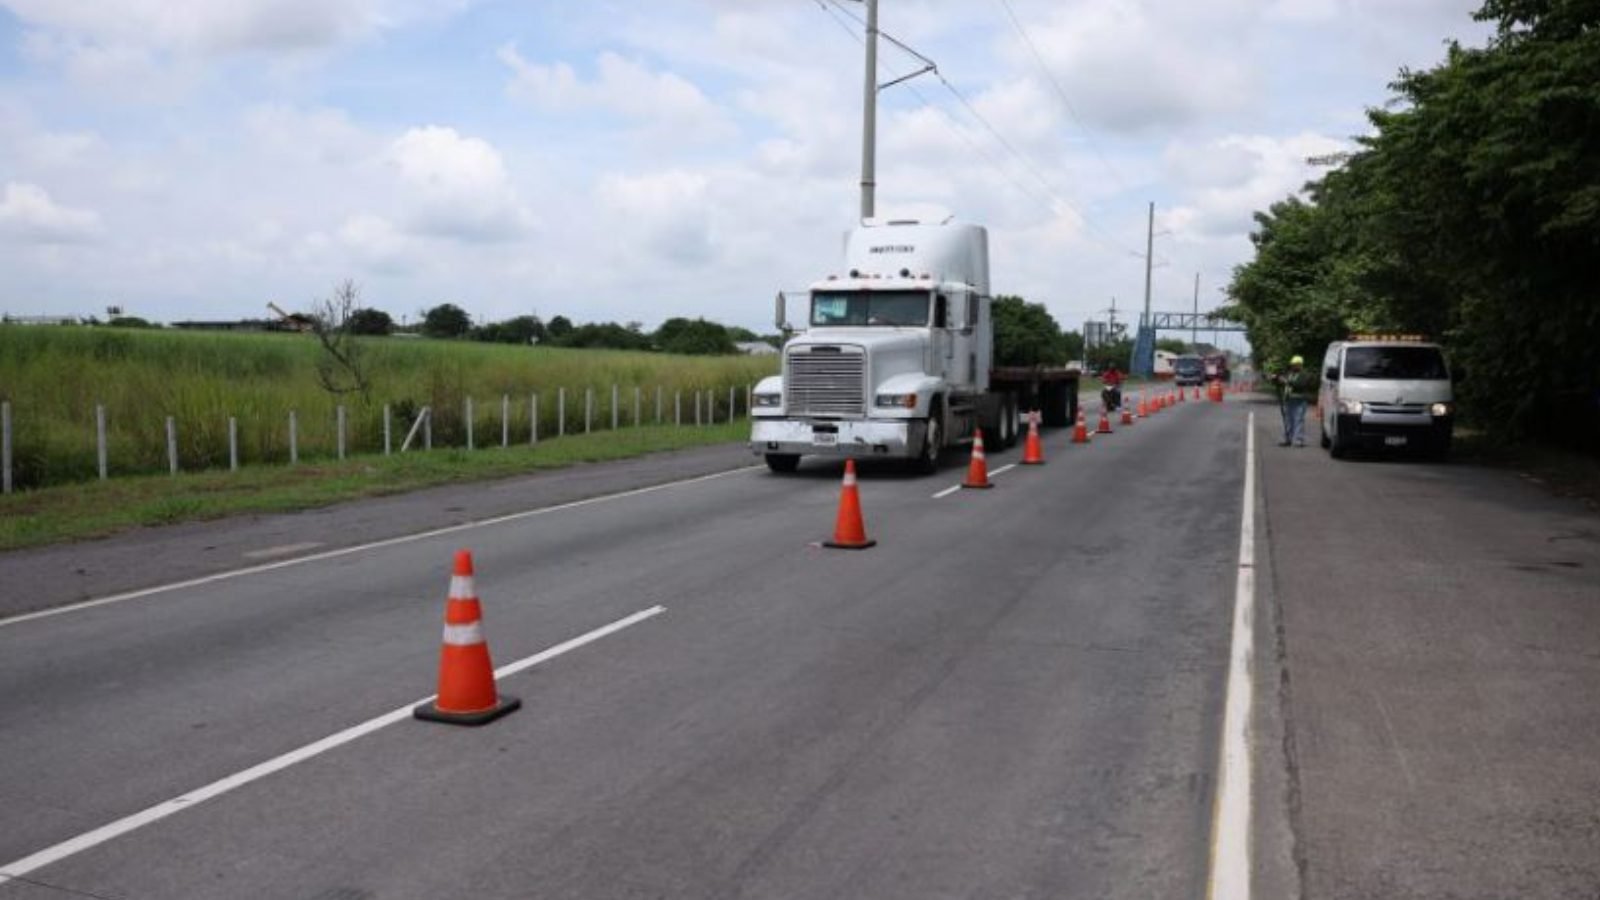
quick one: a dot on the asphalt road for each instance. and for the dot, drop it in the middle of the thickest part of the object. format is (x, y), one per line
(1016, 693)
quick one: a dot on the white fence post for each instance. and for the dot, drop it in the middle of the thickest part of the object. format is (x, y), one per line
(588, 409)
(388, 433)
(637, 391)
(294, 439)
(100, 453)
(614, 400)
(533, 419)
(5, 446)
(731, 408)
(561, 412)
(427, 428)
(749, 399)
(172, 445)
(698, 396)
(233, 444)
(658, 404)
(505, 420)
(677, 409)
(339, 427)
(469, 423)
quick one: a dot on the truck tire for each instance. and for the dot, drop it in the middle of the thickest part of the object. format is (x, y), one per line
(927, 460)
(783, 463)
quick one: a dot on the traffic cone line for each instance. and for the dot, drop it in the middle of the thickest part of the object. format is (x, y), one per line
(978, 469)
(849, 529)
(1127, 414)
(467, 694)
(1104, 426)
(1144, 411)
(1033, 450)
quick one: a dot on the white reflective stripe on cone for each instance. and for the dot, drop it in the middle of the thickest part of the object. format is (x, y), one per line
(467, 635)
(462, 588)
(849, 479)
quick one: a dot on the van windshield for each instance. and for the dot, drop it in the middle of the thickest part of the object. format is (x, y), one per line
(1396, 363)
(847, 308)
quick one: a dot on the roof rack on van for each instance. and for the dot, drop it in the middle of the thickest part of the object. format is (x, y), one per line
(1407, 338)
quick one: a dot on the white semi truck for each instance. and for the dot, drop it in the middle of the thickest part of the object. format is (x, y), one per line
(896, 358)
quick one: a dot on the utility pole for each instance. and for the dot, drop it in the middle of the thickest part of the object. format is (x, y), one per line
(869, 123)
(1194, 325)
(1149, 260)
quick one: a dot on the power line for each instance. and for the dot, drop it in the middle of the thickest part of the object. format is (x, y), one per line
(1061, 92)
(1055, 195)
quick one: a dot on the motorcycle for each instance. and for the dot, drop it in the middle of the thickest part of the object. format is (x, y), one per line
(1111, 396)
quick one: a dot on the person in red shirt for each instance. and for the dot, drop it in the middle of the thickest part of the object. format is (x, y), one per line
(1111, 394)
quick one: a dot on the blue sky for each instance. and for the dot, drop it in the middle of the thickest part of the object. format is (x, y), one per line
(634, 161)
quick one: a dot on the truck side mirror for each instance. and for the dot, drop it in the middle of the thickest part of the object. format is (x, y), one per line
(778, 314)
(941, 311)
(1332, 373)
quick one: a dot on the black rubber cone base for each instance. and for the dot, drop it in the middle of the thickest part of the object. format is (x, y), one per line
(429, 712)
(1031, 462)
(861, 546)
(978, 487)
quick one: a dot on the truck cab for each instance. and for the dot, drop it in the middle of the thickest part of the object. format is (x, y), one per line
(894, 360)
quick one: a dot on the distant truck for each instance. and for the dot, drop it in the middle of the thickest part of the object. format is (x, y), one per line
(1217, 368)
(896, 360)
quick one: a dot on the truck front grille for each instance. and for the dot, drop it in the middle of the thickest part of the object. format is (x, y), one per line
(824, 380)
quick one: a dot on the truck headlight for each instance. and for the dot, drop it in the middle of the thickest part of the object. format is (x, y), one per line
(1351, 407)
(1442, 409)
(893, 401)
(769, 401)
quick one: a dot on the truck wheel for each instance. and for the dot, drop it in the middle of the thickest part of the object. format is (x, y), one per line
(927, 461)
(783, 463)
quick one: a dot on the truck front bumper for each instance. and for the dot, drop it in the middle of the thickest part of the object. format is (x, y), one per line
(896, 439)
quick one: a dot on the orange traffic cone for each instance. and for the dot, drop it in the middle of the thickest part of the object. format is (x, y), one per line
(978, 469)
(1197, 391)
(1127, 414)
(1144, 411)
(1033, 450)
(466, 677)
(849, 531)
(1180, 393)
(1080, 431)
(1105, 422)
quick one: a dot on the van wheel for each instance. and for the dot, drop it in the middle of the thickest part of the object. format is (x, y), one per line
(1338, 447)
(783, 463)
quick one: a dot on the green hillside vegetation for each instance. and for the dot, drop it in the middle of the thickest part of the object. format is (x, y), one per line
(1471, 214)
(54, 377)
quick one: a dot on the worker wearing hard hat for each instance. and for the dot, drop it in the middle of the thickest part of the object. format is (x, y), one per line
(1296, 388)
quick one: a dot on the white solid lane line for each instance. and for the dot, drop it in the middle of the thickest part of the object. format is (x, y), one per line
(362, 548)
(104, 833)
(956, 487)
(1230, 825)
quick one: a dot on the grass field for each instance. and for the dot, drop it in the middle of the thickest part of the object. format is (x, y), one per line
(55, 376)
(93, 509)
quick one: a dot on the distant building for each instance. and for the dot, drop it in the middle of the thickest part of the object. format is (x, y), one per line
(9, 319)
(756, 348)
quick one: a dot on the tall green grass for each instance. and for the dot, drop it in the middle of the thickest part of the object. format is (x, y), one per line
(55, 376)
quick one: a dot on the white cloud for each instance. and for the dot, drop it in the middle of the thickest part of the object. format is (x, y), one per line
(621, 86)
(669, 212)
(28, 214)
(1232, 177)
(203, 26)
(315, 135)
(456, 186)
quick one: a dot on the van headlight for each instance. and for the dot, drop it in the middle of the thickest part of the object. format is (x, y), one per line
(769, 401)
(1351, 407)
(895, 401)
(1442, 409)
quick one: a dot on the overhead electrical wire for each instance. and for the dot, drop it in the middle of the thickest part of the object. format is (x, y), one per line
(1062, 93)
(1054, 194)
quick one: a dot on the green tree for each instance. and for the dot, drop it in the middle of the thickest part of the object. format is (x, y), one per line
(370, 322)
(446, 321)
(1025, 334)
(693, 336)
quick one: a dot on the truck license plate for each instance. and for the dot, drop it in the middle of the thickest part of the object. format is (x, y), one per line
(824, 438)
(1394, 442)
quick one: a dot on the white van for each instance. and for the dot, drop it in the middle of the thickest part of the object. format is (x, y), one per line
(1386, 391)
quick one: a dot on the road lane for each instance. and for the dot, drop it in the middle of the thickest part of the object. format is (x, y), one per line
(1439, 627)
(1015, 692)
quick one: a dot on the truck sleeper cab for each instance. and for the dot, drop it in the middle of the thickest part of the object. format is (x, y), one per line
(1386, 392)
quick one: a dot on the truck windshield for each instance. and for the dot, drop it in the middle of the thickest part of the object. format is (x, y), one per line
(847, 308)
(1411, 363)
